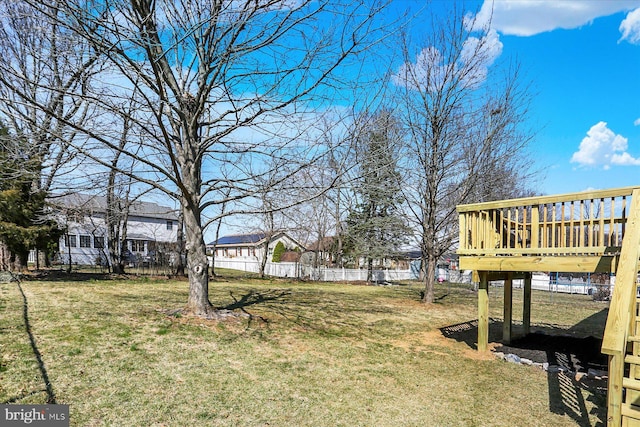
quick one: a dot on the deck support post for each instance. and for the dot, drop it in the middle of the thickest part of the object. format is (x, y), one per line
(526, 304)
(614, 390)
(483, 311)
(508, 309)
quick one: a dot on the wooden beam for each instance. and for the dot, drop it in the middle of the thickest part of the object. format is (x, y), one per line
(568, 264)
(502, 275)
(507, 309)
(526, 305)
(483, 311)
(590, 251)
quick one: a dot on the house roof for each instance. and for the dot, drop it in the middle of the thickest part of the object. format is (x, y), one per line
(250, 239)
(323, 244)
(239, 239)
(98, 204)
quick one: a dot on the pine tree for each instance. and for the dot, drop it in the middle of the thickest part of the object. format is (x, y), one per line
(23, 225)
(375, 227)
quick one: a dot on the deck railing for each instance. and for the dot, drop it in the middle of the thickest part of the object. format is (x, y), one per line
(585, 223)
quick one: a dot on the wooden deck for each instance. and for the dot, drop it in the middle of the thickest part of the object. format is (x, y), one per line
(587, 232)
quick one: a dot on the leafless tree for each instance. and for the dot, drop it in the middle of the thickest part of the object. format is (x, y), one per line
(218, 85)
(463, 118)
(327, 190)
(44, 71)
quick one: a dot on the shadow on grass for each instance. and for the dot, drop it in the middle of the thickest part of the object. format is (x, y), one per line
(254, 297)
(571, 352)
(63, 276)
(309, 310)
(51, 397)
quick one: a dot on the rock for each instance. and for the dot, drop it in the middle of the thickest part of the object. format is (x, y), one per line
(513, 358)
(597, 374)
(555, 369)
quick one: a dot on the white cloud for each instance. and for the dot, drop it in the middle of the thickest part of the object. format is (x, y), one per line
(602, 147)
(430, 70)
(530, 17)
(630, 27)
(624, 159)
(636, 122)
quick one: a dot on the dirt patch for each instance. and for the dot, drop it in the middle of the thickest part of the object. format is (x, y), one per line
(573, 353)
(433, 340)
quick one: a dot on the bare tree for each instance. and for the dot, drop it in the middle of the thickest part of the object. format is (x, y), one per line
(44, 71)
(207, 77)
(463, 121)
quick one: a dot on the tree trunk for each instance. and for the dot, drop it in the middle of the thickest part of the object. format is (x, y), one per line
(180, 245)
(197, 264)
(369, 270)
(263, 261)
(429, 279)
(69, 253)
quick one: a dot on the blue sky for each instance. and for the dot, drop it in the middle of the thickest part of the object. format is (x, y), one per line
(583, 59)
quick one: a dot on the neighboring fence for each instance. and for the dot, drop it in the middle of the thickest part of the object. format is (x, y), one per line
(579, 284)
(297, 270)
(564, 283)
(352, 275)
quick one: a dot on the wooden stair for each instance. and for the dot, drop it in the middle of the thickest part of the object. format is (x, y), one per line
(621, 340)
(630, 407)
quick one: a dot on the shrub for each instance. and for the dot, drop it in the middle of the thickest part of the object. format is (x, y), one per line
(278, 251)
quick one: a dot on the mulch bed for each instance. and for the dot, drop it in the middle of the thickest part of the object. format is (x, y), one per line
(573, 353)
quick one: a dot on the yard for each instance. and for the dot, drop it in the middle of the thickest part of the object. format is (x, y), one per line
(305, 354)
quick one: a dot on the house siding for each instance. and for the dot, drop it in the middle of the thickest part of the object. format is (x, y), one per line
(86, 242)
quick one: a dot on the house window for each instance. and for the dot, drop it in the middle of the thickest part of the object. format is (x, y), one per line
(98, 242)
(137, 246)
(169, 225)
(85, 241)
(70, 241)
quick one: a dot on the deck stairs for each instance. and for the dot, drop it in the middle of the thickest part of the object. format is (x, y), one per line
(621, 340)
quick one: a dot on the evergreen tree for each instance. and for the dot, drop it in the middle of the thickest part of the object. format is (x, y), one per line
(23, 225)
(375, 227)
(278, 251)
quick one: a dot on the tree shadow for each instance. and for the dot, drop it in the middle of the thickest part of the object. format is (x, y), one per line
(254, 297)
(51, 397)
(570, 353)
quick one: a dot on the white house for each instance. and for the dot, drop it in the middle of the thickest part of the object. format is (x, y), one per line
(249, 247)
(149, 227)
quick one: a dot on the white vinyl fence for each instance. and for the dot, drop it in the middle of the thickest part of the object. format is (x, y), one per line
(297, 270)
(579, 284)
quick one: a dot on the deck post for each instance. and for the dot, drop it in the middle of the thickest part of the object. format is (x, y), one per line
(508, 309)
(614, 390)
(483, 311)
(526, 304)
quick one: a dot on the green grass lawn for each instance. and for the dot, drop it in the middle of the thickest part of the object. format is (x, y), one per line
(302, 354)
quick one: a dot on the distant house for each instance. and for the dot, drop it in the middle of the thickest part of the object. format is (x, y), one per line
(250, 246)
(151, 229)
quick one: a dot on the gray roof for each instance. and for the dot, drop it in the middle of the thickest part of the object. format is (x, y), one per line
(248, 239)
(239, 239)
(98, 204)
